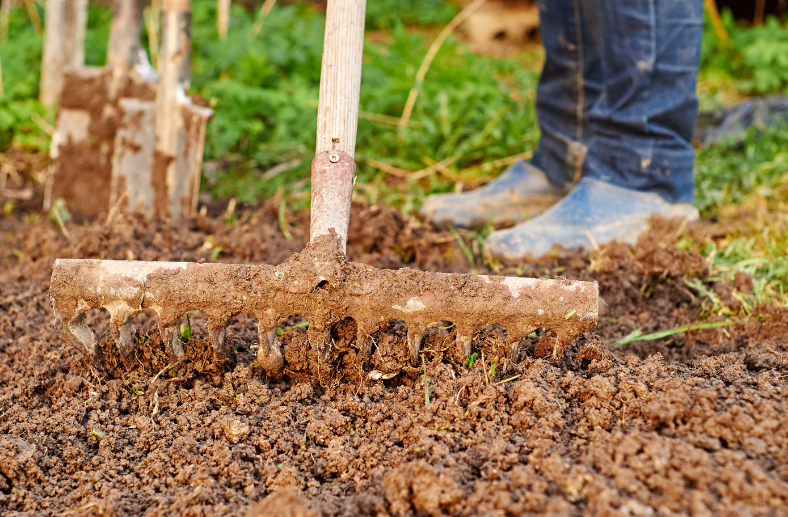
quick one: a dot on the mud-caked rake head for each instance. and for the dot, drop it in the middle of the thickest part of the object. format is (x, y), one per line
(318, 283)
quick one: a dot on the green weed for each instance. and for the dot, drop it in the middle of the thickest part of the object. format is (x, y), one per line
(471, 359)
(186, 330)
(426, 387)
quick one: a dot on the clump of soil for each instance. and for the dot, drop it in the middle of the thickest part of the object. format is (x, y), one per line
(694, 424)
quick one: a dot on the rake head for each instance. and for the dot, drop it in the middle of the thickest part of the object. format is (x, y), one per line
(319, 283)
(322, 285)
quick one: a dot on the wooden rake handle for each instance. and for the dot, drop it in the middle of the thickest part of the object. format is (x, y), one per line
(333, 168)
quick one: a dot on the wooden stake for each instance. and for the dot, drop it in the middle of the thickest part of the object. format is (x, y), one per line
(124, 37)
(180, 125)
(64, 37)
(222, 17)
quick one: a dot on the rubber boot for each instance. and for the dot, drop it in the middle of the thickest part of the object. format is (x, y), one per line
(521, 192)
(594, 211)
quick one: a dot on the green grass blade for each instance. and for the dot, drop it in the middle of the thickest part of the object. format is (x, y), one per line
(303, 324)
(464, 247)
(636, 335)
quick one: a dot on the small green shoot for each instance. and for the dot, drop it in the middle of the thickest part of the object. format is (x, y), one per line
(472, 359)
(137, 391)
(637, 334)
(96, 434)
(303, 447)
(426, 387)
(509, 379)
(186, 330)
(464, 247)
(492, 369)
(59, 211)
(570, 314)
(8, 207)
(302, 325)
(216, 252)
(283, 220)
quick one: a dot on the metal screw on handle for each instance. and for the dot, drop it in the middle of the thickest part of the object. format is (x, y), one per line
(333, 157)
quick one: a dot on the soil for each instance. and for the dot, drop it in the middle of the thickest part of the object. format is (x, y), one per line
(694, 424)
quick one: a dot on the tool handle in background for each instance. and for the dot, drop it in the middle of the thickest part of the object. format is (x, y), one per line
(333, 168)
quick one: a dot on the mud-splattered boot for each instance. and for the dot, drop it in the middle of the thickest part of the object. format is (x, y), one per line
(592, 210)
(521, 192)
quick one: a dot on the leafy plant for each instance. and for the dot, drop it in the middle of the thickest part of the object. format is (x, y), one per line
(756, 58)
(186, 330)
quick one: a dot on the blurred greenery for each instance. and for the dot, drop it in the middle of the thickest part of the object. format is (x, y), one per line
(755, 59)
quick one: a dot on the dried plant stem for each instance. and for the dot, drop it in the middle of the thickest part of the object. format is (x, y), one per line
(63, 226)
(35, 19)
(264, 11)
(431, 53)
(714, 14)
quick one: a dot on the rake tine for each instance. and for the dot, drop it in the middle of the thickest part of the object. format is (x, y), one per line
(171, 336)
(120, 327)
(269, 354)
(462, 345)
(415, 338)
(364, 338)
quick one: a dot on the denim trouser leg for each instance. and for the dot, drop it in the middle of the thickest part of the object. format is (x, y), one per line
(570, 84)
(643, 122)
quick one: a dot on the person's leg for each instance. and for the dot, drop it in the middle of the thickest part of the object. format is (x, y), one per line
(643, 123)
(569, 85)
(639, 158)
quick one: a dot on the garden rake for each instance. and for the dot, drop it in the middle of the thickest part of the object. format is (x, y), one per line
(318, 283)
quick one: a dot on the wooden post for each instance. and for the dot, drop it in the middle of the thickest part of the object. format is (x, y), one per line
(177, 159)
(5, 15)
(222, 17)
(64, 37)
(124, 37)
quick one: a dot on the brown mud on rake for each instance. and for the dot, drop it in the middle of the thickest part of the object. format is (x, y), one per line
(319, 283)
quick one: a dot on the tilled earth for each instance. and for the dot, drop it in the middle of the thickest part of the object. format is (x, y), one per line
(696, 424)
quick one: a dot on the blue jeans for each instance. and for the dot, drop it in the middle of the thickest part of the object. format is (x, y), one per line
(616, 100)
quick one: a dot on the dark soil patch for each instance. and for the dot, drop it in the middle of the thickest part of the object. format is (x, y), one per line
(696, 424)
